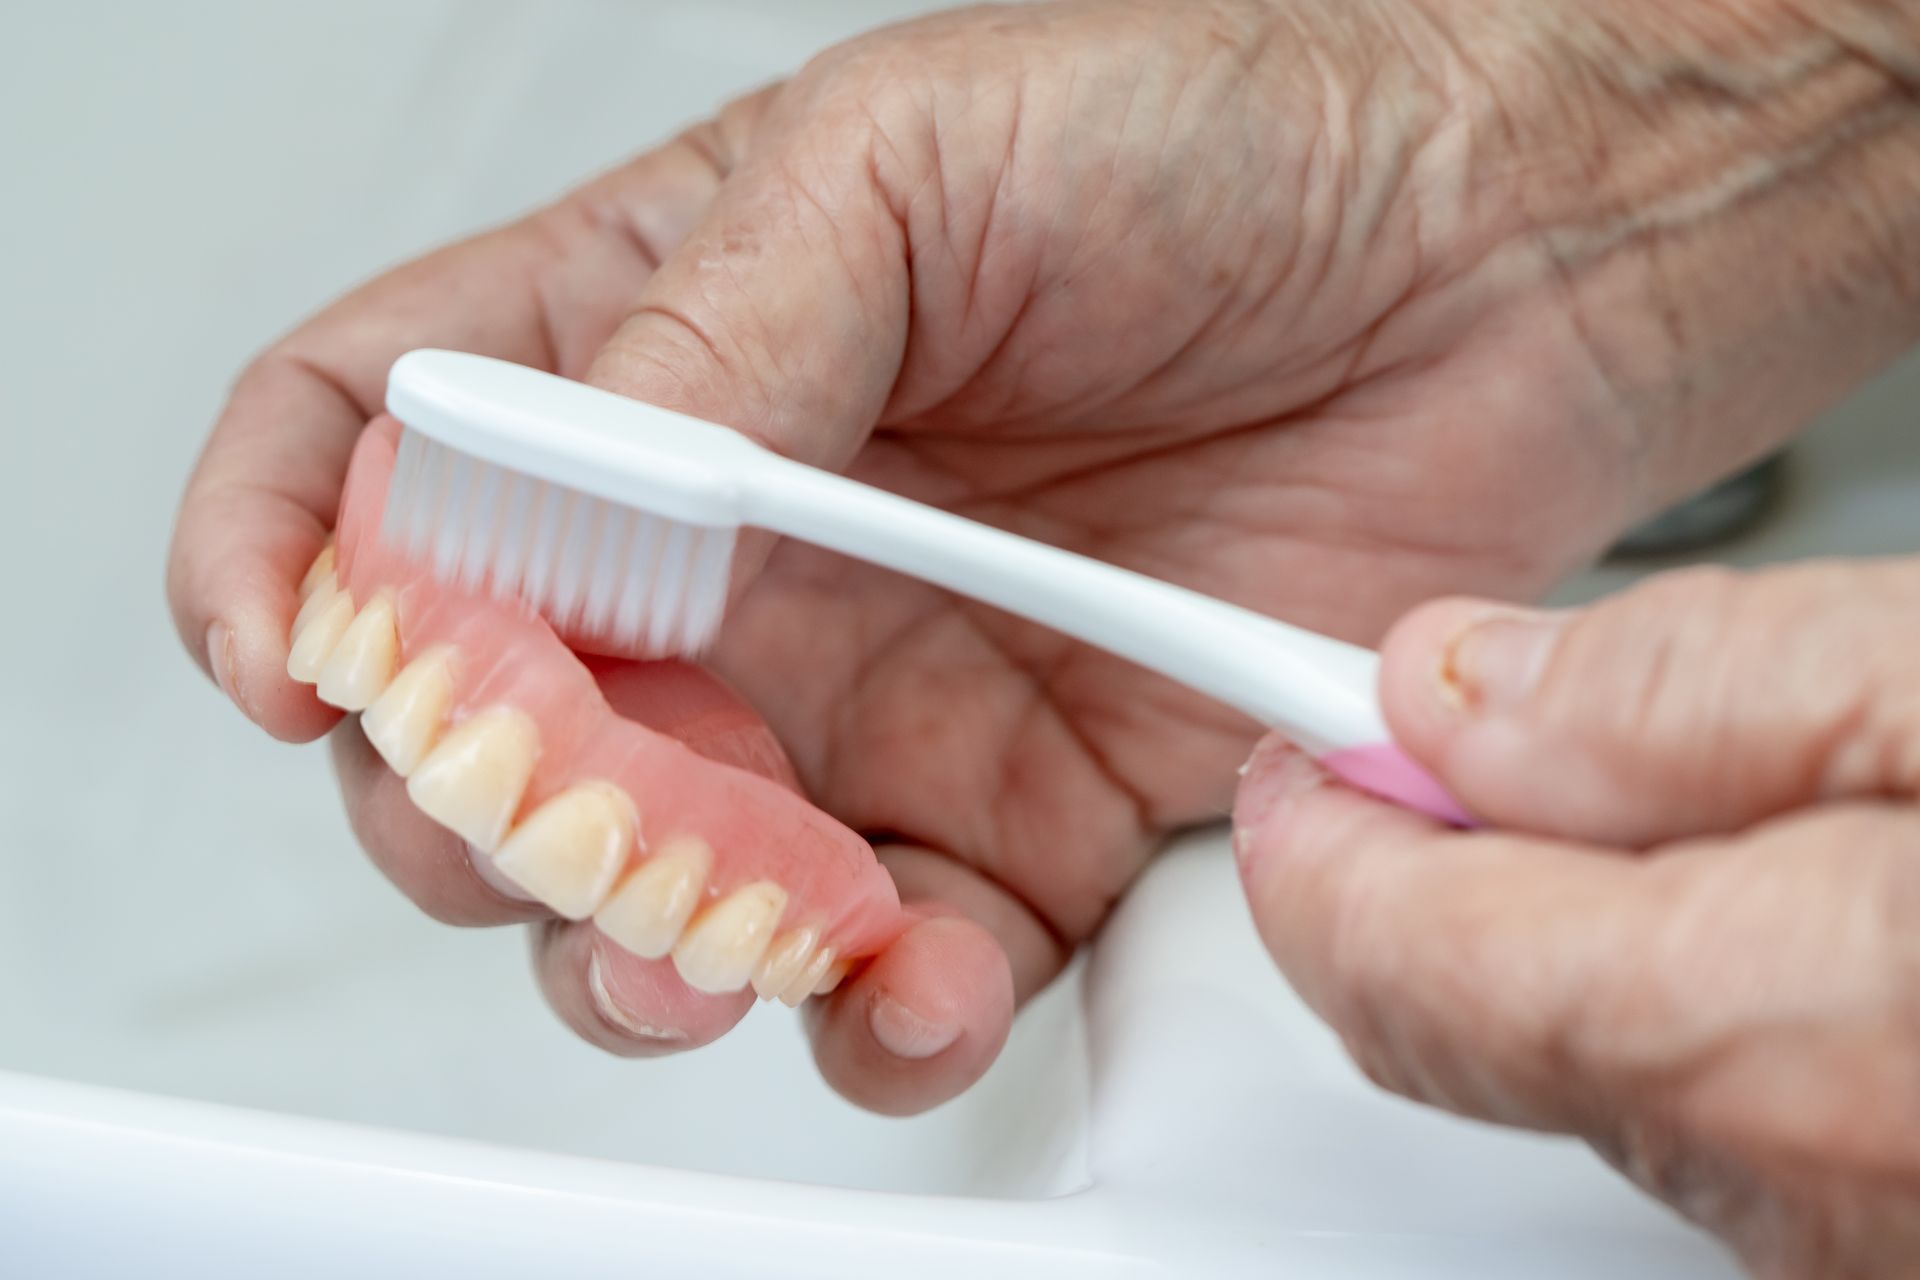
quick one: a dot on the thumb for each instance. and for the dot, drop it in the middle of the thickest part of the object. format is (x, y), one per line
(783, 313)
(1700, 701)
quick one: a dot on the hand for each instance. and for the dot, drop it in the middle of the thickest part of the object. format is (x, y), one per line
(1728, 1013)
(1299, 305)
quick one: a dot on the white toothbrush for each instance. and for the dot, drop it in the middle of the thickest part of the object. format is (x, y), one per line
(617, 517)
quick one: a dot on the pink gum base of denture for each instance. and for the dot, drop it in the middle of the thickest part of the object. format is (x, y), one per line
(754, 825)
(1386, 771)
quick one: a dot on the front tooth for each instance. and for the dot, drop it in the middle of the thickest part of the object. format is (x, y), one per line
(404, 722)
(718, 951)
(784, 960)
(471, 783)
(810, 977)
(314, 643)
(321, 567)
(362, 663)
(647, 912)
(569, 850)
(319, 598)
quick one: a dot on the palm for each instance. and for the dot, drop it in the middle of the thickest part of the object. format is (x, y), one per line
(1163, 388)
(1052, 768)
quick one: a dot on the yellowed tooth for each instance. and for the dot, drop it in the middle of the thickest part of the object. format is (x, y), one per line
(322, 567)
(784, 960)
(809, 978)
(722, 944)
(648, 909)
(314, 643)
(404, 723)
(472, 781)
(568, 852)
(319, 598)
(362, 664)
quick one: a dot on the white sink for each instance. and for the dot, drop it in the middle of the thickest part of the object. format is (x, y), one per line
(227, 1048)
(1169, 1108)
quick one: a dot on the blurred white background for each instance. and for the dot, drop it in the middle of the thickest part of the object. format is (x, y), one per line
(181, 907)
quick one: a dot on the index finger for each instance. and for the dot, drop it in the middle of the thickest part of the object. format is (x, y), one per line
(264, 492)
(546, 291)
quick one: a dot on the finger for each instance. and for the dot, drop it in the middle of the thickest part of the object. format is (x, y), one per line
(1459, 968)
(1701, 701)
(925, 1019)
(1727, 1011)
(784, 312)
(545, 292)
(626, 1005)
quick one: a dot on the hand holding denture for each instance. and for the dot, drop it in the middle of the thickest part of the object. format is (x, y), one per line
(1254, 349)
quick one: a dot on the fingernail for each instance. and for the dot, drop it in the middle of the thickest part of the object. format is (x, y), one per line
(906, 1034)
(1275, 773)
(220, 659)
(613, 1012)
(1275, 776)
(491, 876)
(1496, 662)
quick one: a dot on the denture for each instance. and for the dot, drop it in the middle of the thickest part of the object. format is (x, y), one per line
(505, 739)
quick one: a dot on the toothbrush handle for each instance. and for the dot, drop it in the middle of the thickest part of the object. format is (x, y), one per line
(1384, 770)
(1317, 690)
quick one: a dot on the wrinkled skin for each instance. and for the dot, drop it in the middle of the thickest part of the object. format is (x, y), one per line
(1728, 1012)
(1325, 309)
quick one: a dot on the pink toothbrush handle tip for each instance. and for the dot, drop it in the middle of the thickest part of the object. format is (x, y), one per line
(1388, 772)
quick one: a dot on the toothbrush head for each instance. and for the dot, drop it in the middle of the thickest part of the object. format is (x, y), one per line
(613, 519)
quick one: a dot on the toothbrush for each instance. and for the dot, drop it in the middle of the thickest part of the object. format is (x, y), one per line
(618, 518)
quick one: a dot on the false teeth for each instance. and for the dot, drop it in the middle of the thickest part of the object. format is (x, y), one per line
(472, 781)
(646, 913)
(809, 979)
(404, 723)
(836, 974)
(314, 642)
(322, 567)
(315, 600)
(786, 957)
(720, 948)
(568, 852)
(362, 663)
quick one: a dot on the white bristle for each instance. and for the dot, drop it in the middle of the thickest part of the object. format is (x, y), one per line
(630, 612)
(634, 580)
(545, 545)
(423, 510)
(483, 527)
(668, 586)
(608, 571)
(516, 531)
(406, 478)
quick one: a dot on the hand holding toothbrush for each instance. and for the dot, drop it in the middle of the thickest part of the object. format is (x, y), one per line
(1282, 302)
(1704, 965)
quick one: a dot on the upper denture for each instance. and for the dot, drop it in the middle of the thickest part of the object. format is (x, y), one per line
(505, 738)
